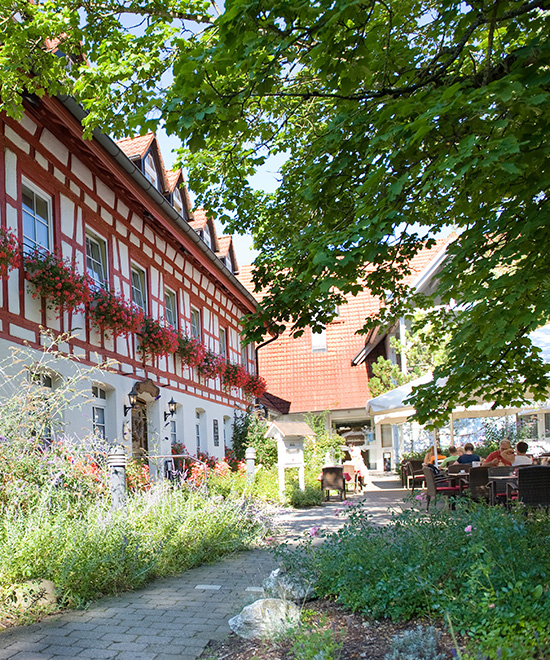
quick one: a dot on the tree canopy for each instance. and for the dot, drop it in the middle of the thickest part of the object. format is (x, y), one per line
(397, 119)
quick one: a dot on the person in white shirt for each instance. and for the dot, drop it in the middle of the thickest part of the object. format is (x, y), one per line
(521, 456)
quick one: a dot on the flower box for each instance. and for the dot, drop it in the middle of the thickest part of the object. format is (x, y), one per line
(255, 386)
(211, 366)
(113, 315)
(191, 350)
(157, 338)
(55, 280)
(10, 253)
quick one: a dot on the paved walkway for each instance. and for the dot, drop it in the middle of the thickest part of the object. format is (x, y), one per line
(176, 617)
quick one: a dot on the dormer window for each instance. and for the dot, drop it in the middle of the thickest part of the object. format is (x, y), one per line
(207, 236)
(177, 201)
(151, 170)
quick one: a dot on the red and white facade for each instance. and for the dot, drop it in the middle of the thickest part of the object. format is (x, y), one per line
(98, 204)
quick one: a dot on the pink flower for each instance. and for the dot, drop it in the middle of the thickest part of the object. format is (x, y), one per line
(491, 605)
(468, 529)
(419, 497)
(314, 531)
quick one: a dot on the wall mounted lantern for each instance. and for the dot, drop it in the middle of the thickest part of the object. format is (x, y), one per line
(132, 398)
(171, 409)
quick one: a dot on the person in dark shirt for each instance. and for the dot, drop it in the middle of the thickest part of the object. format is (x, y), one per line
(468, 456)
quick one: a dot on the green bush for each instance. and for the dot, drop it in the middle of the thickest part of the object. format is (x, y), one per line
(485, 568)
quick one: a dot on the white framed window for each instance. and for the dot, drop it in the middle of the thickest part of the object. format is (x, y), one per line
(198, 423)
(177, 201)
(173, 430)
(387, 437)
(244, 356)
(216, 429)
(207, 236)
(196, 330)
(319, 341)
(150, 167)
(37, 218)
(223, 343)
(139, 288)
(98, 411)
(229, 262)
(96, 260)
(170, 308)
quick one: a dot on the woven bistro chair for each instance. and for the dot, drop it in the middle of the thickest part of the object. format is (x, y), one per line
(414, 474)
(436, 484)
(478, 484)
(533, 487)
(332, 478)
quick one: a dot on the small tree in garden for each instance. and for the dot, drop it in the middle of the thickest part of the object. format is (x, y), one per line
(249, 431)
(55, 280)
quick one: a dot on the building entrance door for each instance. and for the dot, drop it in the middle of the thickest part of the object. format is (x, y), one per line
(140, 444)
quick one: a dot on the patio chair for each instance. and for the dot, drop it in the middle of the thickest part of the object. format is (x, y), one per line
(350, 476)
(478, 484)
(414, 474)
(332, 478)
(533, 487)
(498, 487)
(436, 484)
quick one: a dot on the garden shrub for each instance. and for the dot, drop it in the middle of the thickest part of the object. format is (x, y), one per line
(486, 568)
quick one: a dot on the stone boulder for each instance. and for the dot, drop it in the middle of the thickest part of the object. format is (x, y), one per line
(281, 584)
(35, 592)
(266, 617)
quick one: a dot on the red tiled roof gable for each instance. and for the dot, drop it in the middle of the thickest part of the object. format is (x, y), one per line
(136, 147)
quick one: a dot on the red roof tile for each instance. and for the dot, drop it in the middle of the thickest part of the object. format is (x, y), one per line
(136, 147)
(172, 177)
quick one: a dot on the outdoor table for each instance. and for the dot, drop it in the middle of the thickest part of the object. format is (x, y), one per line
(458, 478)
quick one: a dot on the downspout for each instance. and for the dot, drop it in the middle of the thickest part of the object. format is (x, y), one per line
(265, 343)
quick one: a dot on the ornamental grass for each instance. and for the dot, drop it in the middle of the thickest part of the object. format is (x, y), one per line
(55, 280)
(10, 254)
(113, 315)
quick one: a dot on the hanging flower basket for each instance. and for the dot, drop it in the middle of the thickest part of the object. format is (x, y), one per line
(211, 366)
(157, 338)
(10, 254)
(255, 386)
(191, 351)
(113, 315)
(234, 375)
(56, 280)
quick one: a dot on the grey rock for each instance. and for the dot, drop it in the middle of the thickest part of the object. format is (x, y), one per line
(266, 617)
(288, 586)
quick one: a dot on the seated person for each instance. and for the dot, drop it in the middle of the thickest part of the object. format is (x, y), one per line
(521, 455)
(429, 459)
(450, 459)
(468, 456)
(504, 456)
